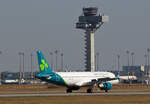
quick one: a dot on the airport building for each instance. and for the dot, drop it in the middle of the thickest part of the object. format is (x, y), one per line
(90, 21)
(141, 72)
(9, 75)
(17, 77)
(134, 70)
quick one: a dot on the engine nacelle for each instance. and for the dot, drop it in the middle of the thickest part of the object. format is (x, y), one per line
(105, 86)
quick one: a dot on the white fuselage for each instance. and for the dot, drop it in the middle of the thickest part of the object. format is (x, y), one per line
(127, 77)
(85, 78)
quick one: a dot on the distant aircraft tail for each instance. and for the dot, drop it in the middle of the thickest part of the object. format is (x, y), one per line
(117, 75)
(43, 65)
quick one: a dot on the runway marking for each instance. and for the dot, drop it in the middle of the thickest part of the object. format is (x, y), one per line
(73, 94)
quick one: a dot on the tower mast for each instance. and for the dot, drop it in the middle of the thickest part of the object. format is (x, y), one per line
(90, 22)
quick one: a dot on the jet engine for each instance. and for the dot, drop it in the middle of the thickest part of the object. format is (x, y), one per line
(105, 86)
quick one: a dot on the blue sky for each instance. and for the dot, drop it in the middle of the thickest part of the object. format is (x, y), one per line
(50, 24)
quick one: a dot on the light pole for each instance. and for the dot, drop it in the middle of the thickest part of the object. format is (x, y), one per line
(56, 52)
(118, 57)
(128, 62)
(20, 67)
(51, 58)
(132, 56)
(62, 59)
(31, 65)
(23, 65)
(146, 71)
(148, 50)
(97, 56)
(145, 60)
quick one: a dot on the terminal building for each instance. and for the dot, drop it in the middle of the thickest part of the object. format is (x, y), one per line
(141, 72)
(17, 77)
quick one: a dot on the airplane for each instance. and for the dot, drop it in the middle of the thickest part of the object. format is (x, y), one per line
(75, 80)
(125, 78)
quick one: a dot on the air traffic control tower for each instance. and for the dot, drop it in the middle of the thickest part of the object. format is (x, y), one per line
(90, 21)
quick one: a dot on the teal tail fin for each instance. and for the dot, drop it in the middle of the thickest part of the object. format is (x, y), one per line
(43, 65)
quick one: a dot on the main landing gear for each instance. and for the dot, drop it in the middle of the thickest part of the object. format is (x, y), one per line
(89, 90)
(69, 90)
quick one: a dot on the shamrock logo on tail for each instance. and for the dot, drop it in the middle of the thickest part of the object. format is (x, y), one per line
(43, 65)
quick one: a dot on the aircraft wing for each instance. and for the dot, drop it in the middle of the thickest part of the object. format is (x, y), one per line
(91, 82)
(105, 79)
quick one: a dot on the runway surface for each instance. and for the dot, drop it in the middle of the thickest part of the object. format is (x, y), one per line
(32, 94)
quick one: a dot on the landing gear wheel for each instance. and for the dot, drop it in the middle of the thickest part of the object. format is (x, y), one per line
(89, 90)
(69, 90)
